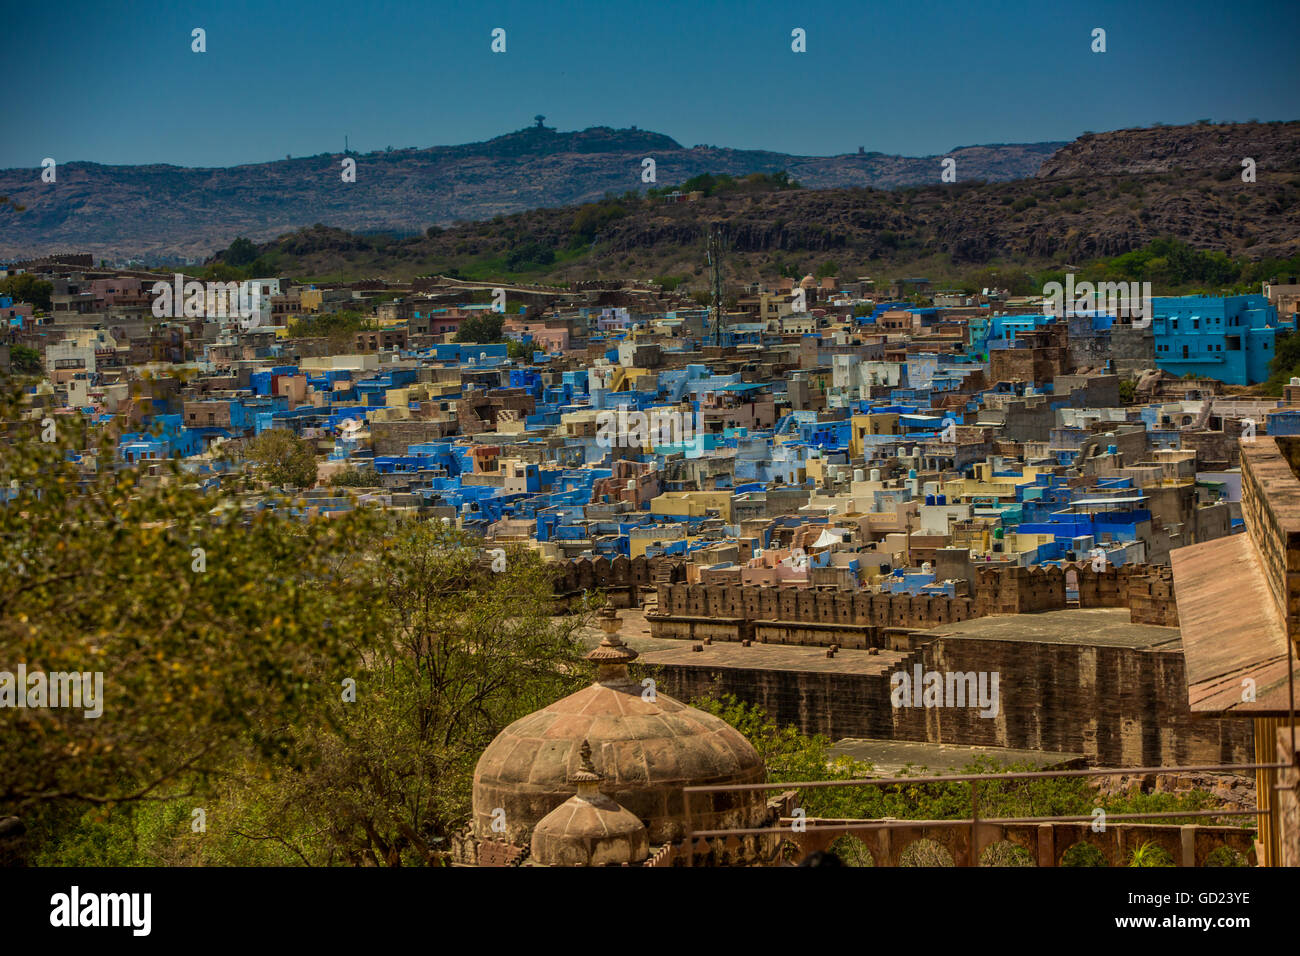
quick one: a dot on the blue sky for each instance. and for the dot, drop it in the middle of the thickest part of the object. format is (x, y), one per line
(118, 83)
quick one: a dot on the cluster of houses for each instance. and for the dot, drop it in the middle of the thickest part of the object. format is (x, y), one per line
(811, 432)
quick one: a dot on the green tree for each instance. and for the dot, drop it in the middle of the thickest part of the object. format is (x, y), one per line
(241, 252)
(224, 272)
(481, 328)
(321, 689)
(282, 459)
(529, 254)
(590, 219)
(1285, 363)
(25, 287)
(463, 651)
(208, 628)
(25, 360)
(339, 327)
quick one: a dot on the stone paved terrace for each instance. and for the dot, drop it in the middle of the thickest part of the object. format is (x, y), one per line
(1095, 627)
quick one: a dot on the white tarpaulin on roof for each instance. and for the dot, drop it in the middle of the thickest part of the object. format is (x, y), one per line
(827, 539)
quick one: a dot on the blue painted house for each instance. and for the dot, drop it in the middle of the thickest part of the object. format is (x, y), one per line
(1229, 338)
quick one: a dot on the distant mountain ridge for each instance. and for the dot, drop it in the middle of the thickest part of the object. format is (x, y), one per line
(117, 211)
(1102, 196)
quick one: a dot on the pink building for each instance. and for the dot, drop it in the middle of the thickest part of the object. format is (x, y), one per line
(108, 291)
(632, 481)
(544, 338)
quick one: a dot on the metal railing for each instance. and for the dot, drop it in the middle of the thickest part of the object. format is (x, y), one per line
(974, 820)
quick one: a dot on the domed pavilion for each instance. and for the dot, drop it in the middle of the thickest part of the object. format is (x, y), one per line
(589, 829)
(644, 747)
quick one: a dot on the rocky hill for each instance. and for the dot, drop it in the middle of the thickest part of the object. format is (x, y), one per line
(117, 211)
(1077, 213)
(1167, 149)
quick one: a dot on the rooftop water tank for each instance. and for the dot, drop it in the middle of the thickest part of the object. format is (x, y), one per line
(875, 474)
(857, 474)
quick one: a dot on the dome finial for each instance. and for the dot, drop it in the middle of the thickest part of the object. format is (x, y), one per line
(586, 779)
(612, 656)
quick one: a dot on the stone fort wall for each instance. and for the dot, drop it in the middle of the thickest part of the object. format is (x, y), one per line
(1117, 706)
(729, 611)
(795, 615)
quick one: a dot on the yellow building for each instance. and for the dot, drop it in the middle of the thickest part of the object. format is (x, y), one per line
(693, 504)
(311, 299)
(876, 423)
(985, 485)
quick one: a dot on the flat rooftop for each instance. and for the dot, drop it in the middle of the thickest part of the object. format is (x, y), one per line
(889, 757)
(775, 657)
(1093, 627)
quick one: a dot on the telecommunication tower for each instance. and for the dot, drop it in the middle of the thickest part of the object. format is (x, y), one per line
(715, 278)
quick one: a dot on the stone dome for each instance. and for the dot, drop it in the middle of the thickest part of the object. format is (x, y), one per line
(590, 828)
(645, 751)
